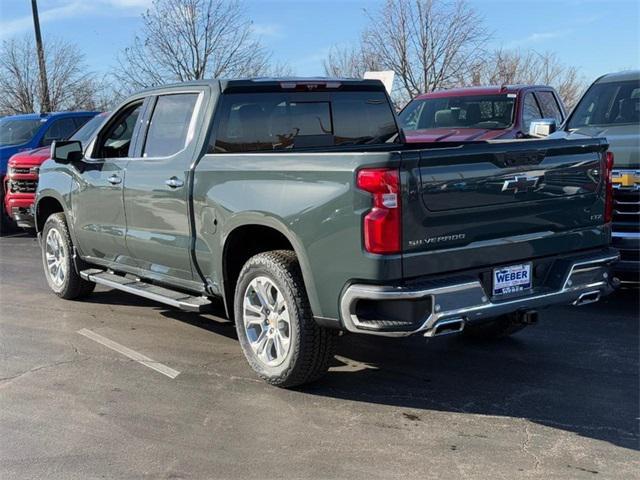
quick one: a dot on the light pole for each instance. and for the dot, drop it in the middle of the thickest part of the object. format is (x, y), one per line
(45, 101)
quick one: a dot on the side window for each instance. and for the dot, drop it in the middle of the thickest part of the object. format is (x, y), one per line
(550, 108)
(59, 130)
(169, 125)
(530, 111)
(115, 140)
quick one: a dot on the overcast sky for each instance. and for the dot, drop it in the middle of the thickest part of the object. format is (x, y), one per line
(596, 36)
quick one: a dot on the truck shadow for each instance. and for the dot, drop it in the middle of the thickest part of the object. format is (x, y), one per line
(576, 371)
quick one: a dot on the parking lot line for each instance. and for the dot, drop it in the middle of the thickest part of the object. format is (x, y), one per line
(132, 354)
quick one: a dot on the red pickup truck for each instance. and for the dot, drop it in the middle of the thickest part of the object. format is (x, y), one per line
(479, 113)
(22, 175)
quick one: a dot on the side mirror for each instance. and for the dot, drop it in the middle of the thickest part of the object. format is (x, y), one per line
(543, 127)
(66, 151)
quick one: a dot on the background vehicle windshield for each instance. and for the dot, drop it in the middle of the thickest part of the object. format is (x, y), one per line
(479, 111)
(17, 132)
(614, 103)
(83, 134)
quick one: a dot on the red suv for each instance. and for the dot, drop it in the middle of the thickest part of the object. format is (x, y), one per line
(479, 113)
(22, 175)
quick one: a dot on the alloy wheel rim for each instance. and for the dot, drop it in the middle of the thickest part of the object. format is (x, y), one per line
(55, 256)
(266, 321)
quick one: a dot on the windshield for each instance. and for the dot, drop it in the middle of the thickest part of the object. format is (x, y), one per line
(478, 111)
(614, 103)
(83, 134)
(17, 132)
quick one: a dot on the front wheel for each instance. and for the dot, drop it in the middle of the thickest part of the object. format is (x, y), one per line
(277, 332)
(57, 251)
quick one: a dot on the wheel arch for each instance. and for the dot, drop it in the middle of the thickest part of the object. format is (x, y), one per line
(242, 240)
(45, 206)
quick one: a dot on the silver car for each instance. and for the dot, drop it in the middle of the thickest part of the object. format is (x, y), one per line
(611, 108)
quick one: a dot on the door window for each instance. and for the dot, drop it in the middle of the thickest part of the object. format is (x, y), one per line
(115, 140)
(550, 108)
(169, 125)
(59, 130)
(530, 111)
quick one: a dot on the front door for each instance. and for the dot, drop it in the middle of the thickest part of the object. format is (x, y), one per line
(97, 198)
(156, 195)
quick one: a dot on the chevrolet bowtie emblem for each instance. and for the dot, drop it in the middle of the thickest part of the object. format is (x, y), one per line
(626, 178)
(520, 183)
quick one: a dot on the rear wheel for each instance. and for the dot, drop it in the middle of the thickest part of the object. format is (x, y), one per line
(500, 327)
(57, 250)
(277, 332)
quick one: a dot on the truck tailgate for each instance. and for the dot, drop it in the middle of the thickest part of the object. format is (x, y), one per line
(493, 203)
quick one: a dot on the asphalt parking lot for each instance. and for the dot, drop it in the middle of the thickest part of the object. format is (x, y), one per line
(558, 400)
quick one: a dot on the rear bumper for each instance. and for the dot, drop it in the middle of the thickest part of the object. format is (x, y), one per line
(422, 308)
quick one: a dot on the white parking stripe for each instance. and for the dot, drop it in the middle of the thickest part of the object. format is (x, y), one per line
(132, 354)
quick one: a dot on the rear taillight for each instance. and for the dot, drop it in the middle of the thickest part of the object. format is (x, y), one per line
(608, 202)
(383, 224)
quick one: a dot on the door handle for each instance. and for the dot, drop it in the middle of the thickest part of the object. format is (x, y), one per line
(174, 182)
(114, 179)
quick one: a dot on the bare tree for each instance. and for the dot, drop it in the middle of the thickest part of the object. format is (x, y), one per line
(191, 39)
(429, 44)
(530, 67)
(349, 62)
(70, 86)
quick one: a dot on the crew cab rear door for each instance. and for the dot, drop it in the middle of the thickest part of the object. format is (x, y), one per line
(479, 204)
(156, 194)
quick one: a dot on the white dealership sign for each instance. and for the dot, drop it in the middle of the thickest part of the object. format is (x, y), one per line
(386, 77)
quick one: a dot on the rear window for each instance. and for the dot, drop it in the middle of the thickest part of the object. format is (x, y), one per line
(281, 121)
(476, 111)
(614, 103)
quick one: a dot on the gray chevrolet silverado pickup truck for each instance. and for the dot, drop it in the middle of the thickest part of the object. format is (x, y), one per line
(298, 203)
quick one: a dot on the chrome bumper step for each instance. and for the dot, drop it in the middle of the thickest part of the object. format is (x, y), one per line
(177, 299)
(450, 304)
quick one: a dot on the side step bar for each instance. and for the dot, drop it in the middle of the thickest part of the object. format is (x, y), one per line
(174, 298)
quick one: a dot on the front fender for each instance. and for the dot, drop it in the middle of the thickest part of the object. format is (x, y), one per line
(54, 182)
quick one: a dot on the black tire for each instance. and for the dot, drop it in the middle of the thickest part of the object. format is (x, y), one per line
(310, 345)
(496, 329)
(71, 286)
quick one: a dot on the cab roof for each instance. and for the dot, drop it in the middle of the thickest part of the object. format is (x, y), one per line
(619, 76)
(486, 90)
(51, 115)
(271, 83)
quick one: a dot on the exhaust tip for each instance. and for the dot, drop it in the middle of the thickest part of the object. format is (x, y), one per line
(587, 298)
(446, 327)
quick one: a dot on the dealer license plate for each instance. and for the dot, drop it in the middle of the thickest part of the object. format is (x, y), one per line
(511, 279)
